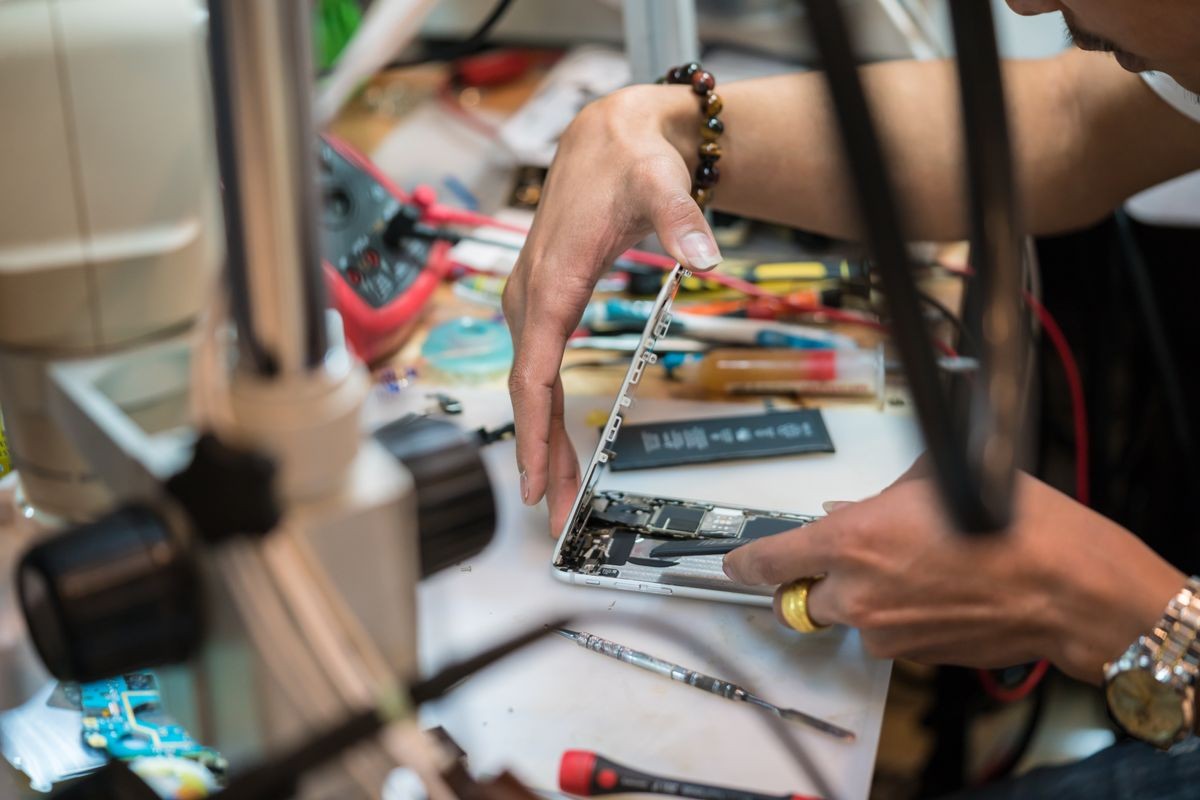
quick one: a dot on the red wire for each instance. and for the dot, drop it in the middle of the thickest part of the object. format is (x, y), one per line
(437, 214)
(1007, 694)
(753, 290)
(1062, 348)
(1075, 387)
(822, 312)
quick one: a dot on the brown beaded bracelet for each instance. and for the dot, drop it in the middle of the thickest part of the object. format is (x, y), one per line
(702, 82)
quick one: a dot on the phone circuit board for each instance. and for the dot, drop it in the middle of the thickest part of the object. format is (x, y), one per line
(124, 717)
(652, 543)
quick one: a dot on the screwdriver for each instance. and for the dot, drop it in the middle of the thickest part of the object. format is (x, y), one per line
(707, 683)
(586, 774)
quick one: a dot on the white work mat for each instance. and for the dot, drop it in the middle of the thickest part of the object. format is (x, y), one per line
(523, 713)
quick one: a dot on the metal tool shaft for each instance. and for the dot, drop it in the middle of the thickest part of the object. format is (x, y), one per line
(707, 683)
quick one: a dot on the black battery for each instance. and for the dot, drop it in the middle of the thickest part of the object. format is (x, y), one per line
(704, 441)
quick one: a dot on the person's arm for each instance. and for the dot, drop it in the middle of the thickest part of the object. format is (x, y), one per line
(1086, 134)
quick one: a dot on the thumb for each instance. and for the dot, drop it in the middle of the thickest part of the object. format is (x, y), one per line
(684, 232)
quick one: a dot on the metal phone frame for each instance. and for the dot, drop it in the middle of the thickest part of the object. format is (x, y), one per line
(643, 356)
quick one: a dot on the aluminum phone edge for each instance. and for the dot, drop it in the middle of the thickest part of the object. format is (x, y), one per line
(643, 356)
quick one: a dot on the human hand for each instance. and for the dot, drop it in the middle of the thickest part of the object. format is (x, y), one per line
(619, 175)
(1062, 582)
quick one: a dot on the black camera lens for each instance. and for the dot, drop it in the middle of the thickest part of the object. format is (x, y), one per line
(455, 507)
(115, 595)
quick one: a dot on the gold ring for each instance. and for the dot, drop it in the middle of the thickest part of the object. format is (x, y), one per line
(793, 605)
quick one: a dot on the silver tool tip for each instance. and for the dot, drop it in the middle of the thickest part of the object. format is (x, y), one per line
(792, 715)
(820, 724)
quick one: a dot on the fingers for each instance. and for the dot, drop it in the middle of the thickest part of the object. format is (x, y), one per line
(800, 553)
(571, 241)
(683, 231)
(564, 466)
(542, 317)
(534, 375)
(787, 557)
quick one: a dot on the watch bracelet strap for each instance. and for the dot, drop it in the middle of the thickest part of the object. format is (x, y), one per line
(1177, 635)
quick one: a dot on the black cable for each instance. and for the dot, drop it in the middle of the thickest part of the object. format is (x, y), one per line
(468, 46)
(960, 328)
(447, 678)
(1160, 348)
(490, 21)
(725, 667)
(489, 436)
(278, 777)
(977, 490)
(944, 771)
(965, 336)
(1028, 731)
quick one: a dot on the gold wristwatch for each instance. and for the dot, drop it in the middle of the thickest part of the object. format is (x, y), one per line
(1151, 688)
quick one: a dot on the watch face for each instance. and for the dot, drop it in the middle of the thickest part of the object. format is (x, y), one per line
(1146, 708)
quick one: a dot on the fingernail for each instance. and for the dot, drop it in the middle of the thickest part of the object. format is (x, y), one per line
(734, 573)
(831, 506)
(524, 488)
(699, 250)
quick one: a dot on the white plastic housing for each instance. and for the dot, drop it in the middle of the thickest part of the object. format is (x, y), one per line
(109, 228)
(109, 221)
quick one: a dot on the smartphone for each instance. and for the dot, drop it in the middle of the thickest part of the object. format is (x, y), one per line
(651, 543)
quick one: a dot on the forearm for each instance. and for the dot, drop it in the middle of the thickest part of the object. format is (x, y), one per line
(1095, 616)
(1071, 117)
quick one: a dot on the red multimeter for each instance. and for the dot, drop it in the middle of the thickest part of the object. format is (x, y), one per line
(379, 281)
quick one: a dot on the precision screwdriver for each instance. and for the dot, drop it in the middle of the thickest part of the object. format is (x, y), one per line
(586, 774)
(706, 683)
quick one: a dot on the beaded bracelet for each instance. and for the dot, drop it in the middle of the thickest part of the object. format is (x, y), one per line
(703, 83)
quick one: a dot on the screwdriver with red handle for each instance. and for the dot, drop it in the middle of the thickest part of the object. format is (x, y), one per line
(587, 774)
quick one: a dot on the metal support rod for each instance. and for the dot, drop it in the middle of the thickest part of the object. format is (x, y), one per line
(659, 34)
(974, 457)
(262, 68)
(997, 245)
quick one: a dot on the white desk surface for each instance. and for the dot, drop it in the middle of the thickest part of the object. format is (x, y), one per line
(523, 713)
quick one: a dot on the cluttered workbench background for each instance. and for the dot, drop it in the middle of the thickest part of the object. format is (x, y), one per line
(423, 128)
(424, 125)
(428, 176)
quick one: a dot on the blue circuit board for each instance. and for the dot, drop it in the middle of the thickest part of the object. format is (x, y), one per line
(124, 717)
